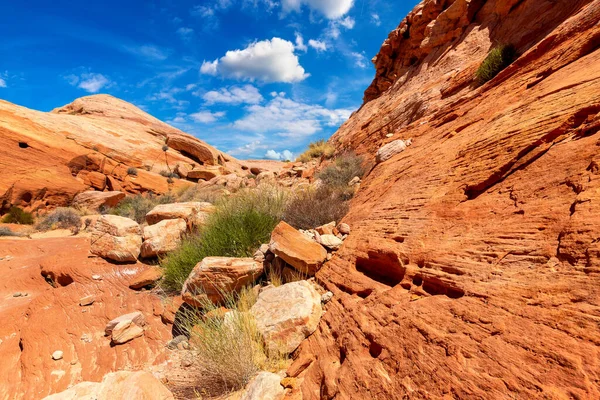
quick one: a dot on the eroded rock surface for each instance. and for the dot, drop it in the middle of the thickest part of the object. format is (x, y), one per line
(472, 267)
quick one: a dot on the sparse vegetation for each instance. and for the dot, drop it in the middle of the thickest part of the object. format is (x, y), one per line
(132, 171)
(17, 215)
(169, 174)
(340, 173)
(210, 194)
(317, 149)
(498, 59)
(228, 347)
(240, 224)
(61, 218)
(136, 207)
(311, 207)
(5, 231)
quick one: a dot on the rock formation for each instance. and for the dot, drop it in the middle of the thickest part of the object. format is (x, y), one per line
(472, 268)
(97, 142)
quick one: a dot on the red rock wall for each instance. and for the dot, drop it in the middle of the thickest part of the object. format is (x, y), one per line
(473, 268)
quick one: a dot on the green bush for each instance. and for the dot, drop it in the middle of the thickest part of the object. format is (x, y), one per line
(16, 215)
(136, 207)
(317, 149)
(5, 231)
(499, 58)
(168, 174)
(240, 224)
(310, 208)
(340, 173)
(61, 218)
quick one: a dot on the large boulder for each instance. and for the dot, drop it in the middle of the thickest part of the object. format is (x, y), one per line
(194, 213)
(286, 315)
(265, 386)
(94, 201)
(194, 148)
(163, 237)
(128, 385)
(116, 238)
(215, 276)
(391, 149)
(207, 173)
(296, 249)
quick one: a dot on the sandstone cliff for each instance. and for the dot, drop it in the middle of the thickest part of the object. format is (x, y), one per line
(47, 158)
(473, 267)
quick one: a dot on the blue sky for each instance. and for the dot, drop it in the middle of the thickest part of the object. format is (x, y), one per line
(255, 78)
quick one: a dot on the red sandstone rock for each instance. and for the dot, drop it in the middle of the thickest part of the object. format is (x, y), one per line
(94, 201)
(472, 268)
(294, 248)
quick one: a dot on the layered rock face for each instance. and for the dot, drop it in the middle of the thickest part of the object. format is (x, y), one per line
(472, 269)
(97, 142)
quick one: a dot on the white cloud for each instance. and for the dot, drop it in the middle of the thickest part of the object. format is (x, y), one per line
(2, 83)
(284, 155)
(148, 51)
(317, 45)
(333, 30)
(247, 94)
(185, 33)
(300, 43)
(207, 117)
(375, 19)
(88, 81)
(268, 61)
(332, 9)
(359, 59)
(289, 118)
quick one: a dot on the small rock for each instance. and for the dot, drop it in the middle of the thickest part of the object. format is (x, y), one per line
(147, 277)
(85, 338)
(125, 331)
(343, 228)
(57, 355)
(354, 181)
(135, 317)
(326, 229)
(326, 298)
(329, 256)
(389, 135)
(18, 294)
(87, 300)
(391, 149)
(331, 241)
(265, 386)
(96, 277)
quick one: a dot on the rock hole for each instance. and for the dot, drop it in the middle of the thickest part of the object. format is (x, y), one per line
(55, 280)
(437, 288)
(375, 349)
(23, 145)
(417, 281)
(21, 345)
(342, 355)
(26, 197)
(399, 239)
(384, 267)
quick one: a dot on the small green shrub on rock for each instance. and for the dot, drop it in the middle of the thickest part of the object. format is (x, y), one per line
(498, 59)
(238, 227)
(61, 218)
(132, 171)
(16, 215)
(136, 207)
(340, 173)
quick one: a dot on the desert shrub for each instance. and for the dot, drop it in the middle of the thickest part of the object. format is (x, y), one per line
(340, 173)
(228, 348)
(61, 218)
(310, 208)
(5, 231)
(17, 215)
(136, 207)
(317, 149)
(240, 224)
(132, 171)
(210, 194)
(499, 58)
(169, 174)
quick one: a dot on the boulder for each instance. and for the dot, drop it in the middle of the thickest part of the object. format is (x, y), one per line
(193, 148)
(194, 213)
(327, 229)
(391, 149)
(182, 170)
(128, 385)
(163, 237)
(205, 173)
(343, 228)
(265, 386)
(147, 277)
(286, 315)
(116, 238)
(296, 249)
(266, 175)
(135, 317)
(125, 331)
(215, 276)
(96, 180)
(93, 201)
(330, 241)
(256, 170)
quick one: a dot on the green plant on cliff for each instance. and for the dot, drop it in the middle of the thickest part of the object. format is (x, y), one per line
(498, 59)
(240, 224)
(317, 149)
(16, 215)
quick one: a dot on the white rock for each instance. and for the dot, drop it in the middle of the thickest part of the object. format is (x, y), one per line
(57, 355)
(391, 149)
(331, 241)
(265, 386)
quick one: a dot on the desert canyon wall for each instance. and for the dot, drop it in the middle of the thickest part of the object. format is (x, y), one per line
(473, 266)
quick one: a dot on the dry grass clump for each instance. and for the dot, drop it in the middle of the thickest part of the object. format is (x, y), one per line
(17, 215)
(210, 194)
(498, 59)
(5, 231)
(317, 149)
(136, 207)
(61, 218)
(312, 207)
(228, 347)
(337, 175)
